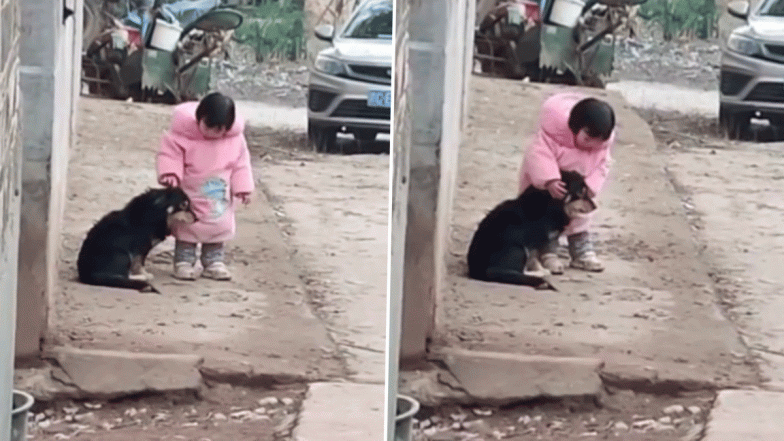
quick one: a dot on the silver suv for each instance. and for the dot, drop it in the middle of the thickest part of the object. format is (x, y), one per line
(752, 67)
(350, 82)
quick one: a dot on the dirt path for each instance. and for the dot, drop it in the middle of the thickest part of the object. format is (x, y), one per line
(243, 327)
(652, 316)
(336, 209)
(733, 195)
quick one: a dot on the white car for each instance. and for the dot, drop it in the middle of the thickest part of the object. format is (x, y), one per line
(349, 89)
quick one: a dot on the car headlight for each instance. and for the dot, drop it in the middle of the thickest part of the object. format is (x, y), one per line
(328, 65)
(743, 44)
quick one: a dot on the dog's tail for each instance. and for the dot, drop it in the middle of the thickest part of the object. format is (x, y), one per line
(504, 275)
(118, 281)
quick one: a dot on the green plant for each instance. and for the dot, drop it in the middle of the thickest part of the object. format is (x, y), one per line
(274, 29)
(679, 17)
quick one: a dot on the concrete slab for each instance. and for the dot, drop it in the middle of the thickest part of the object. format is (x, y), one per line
(341, 411)
(116, 373)
(651, 316)
(503, 378)
(746, 415)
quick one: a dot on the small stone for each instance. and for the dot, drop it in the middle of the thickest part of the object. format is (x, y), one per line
(538, 418)
(456, 426)
(241, 414)
(556, 425)
(620, 425)
(268, 401)
(191, 424)
(130, 413)
(663, 427)
(44, 424)
(695, 410)
(70, 410)
(589, 434)
(287, 401)
(93, 406)
(665, 420)
(481, 412)
(260, 410)
(525, 419)
(219, 417)
(89, 416)
(458, 417)
(674, 409)
(644, 424)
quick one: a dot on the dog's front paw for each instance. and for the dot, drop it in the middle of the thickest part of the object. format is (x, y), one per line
(148, 276)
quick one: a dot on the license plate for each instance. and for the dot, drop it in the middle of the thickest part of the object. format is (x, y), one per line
(379, 98)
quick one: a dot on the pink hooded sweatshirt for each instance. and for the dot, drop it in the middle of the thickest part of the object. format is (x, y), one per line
(553, 150)
(210, 171)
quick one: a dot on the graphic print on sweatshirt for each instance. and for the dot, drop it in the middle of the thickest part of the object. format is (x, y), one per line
(214, 189)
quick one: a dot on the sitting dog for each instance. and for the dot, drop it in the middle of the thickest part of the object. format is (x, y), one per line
(507, 241)
(114, 251)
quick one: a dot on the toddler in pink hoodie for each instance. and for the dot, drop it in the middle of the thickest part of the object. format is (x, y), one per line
(575, 133)
(205, 152)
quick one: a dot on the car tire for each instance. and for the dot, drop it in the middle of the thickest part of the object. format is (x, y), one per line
(365, 135)
(734, 124)
(322, 139)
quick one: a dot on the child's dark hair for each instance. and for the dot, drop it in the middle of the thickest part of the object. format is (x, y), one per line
(216, 110)
(595, 116)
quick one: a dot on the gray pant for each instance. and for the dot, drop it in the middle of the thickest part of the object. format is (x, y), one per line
(186, 252)
(579, 244)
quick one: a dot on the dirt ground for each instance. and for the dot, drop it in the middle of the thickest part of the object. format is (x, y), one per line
(285, 319)
(658, 301)
(221, 412)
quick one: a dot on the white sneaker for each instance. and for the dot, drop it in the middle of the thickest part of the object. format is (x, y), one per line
(587, 262)
(217, 271)
(185, 271)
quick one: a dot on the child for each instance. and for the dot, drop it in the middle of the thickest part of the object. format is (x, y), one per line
(205, 152)
(575, 133)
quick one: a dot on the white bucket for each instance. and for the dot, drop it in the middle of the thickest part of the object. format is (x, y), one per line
(566, 12)
(165, 35)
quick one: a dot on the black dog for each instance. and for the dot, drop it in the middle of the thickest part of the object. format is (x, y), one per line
(114, 251)
(509, 237)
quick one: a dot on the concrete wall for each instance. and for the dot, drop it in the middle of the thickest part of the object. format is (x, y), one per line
(10, 198)
(437, 64)
(49, 79)
(398, 212)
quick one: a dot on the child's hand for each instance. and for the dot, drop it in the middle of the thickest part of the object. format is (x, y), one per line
(169, 180)
(557, 188)
(244, 197)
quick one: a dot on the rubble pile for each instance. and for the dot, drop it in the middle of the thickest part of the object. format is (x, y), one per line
(274, 82)
(688, 63)
(70, 420)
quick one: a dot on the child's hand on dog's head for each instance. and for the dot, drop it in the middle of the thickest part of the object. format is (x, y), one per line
(557, 188)
(244, 197)
(169, 180)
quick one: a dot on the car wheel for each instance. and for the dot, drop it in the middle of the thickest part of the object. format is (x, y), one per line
(322, 139)
(734, 124)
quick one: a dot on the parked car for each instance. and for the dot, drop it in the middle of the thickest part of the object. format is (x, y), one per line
(349, 89)
(751, 82)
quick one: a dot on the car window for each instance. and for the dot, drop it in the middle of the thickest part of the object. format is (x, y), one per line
(374, 20)
(772, 7)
